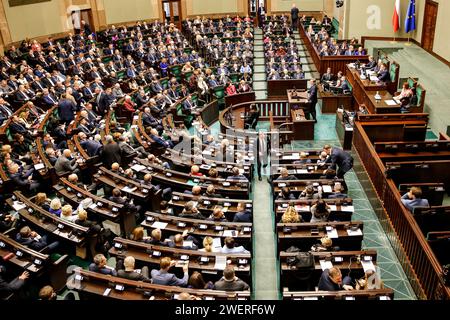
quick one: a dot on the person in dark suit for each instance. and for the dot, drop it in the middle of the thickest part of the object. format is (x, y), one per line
(66, 163)
(331, 280)
(111, 152)
(261, 16)
(251, 121)
(12, 286)
(383, 75)
(34, 241)
(92, 147)
(66, 110)
(340, 158)
(163, 277)
(327, 77)
(371, 64)
(126, 270)
(99, 265)
(294, 16)
(312, 100)
(229, 281)
(243, 214)
(160, 141)
(22, 178)
(262, 151)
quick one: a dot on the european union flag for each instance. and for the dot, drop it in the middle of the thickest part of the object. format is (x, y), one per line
(410, 21)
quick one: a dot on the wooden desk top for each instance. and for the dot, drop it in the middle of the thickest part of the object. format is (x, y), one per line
(146, 253)
(385, 95)
(97, 283)
(198, 227)
(366, 84)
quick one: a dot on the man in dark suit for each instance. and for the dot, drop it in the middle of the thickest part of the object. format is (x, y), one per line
(15, 285)
(34, 241)
(328, 76)
(66, 109)
(312, 100)
(5, 110)
(294, 16)
(251, 120)
(126, 270)
(340, 158)
(371, 64)
(92, 147)
(243, 214)
(111, 152)
(230, 282)
(331, 280)
(383, 74)
(262, 151)
(22, 178)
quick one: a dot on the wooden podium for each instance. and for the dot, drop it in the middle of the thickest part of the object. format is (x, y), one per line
(303, 129)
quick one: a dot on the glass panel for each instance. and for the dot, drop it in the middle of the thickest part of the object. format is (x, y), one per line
(252, 6)
(166, 8)
(175, 10)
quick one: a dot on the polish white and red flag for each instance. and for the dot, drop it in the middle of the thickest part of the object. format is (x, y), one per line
(396, 16)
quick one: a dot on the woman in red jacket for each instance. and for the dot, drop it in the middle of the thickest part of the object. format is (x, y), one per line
(231, 89)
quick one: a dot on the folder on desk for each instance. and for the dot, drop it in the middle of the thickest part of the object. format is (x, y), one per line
(390, 102)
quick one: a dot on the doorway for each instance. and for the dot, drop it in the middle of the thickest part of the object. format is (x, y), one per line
(429, 25)
(79, 15)
(172, 12)
(254, 8)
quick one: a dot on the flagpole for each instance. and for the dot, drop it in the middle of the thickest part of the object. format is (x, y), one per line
(408, 43)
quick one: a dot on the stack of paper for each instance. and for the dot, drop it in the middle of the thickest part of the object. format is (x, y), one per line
(373, 78)
(138, 167)
(327, 189)
(390, 102)
(354, 233)
(18, 206)
(302, 171)
(302, 208)
(332, 234)
(128, 189)
(367, 265)
(348, 208)
(221, 262)
(325, 265)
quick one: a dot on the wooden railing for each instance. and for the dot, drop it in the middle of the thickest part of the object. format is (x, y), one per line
(419, 262)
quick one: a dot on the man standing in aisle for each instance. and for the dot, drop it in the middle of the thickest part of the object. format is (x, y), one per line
(263, 151)
(312, 99)
(294, 16)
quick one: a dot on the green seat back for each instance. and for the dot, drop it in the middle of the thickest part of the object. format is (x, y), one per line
(411, 83)
(165, 83)
(187, 75)
(219, 92)
(393, 71)
(349, 85)
(419, 92)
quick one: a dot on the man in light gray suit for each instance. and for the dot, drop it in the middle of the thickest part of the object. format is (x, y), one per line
(65, 163)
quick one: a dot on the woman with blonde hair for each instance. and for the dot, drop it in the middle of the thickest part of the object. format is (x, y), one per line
(208, 245)
(67, 213)
(42, 201)
(291, 216)
(55, 207)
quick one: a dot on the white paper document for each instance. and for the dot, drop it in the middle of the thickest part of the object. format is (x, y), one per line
(221, 262)
(39, 166)
(327, 188)
(354, 233)
(229, 233)
(138, 167)
(367, 265)
(332, 234)
(217, 243)
(18, 206)
(325, 265)
(128, 189)
(302, 171)
(348, 208)
(159, 225)
(187, 244)
(333, 207)
(373, 78)
(302, 208)
(390, 102)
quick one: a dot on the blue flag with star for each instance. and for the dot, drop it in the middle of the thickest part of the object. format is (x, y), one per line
(410, 20)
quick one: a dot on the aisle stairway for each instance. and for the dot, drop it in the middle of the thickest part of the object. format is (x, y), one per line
(259, 68)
